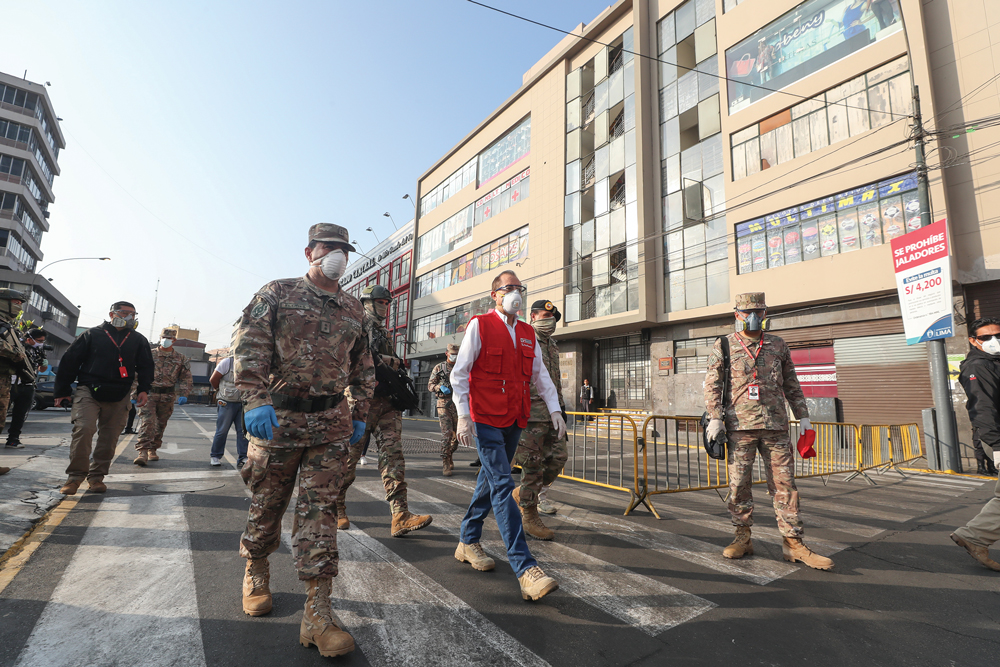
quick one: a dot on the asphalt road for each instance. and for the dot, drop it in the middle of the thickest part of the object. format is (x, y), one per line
(149, 574)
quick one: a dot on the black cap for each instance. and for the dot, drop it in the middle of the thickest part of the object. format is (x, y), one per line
(544, 304)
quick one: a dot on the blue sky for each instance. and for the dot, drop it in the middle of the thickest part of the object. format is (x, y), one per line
(203, 138)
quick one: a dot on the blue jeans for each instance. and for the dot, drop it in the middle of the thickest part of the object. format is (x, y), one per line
(496, 447)
(229, 414)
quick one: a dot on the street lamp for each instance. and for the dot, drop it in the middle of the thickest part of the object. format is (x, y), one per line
(357, 245)
(373, 234)
(68, 259)
(386, 215)
(411, 201)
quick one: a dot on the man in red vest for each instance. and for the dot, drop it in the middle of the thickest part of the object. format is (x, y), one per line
(491, 384)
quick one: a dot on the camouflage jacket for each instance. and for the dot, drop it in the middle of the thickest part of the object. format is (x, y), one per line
(299, 340)
(775, 377)
(170, 368)
(440, 377)
(550, 359)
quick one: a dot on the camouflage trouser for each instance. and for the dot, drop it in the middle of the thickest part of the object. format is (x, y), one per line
(541, 457)
(386, 422)
(776, 454)
(154, 416)
(448, 418)
(4, 397)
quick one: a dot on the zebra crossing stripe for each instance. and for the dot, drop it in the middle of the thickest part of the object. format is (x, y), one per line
(644, 603)
(128, 595)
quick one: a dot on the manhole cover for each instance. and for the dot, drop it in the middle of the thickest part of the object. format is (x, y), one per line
(182, 487)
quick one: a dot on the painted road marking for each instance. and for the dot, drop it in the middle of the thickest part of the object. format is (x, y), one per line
(128, 595)
(167, 476)
(642, 602)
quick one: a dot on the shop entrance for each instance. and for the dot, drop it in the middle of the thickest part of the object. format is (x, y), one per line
(623, 372)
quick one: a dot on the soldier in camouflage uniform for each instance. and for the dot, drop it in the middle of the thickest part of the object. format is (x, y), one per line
(385, 422)
(541, 453)
(440, 385)
(761, 378)
(13, 358)
(172, 368)
(300, 351)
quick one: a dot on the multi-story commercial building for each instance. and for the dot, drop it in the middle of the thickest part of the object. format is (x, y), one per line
(682, 152)
(30, 141)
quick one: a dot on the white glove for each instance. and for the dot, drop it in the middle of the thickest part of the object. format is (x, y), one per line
(714, 428)
(559, 424)
(804, 425)
(466, 431)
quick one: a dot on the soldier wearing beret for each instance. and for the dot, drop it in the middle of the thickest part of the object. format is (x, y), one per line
(761, 378)
(299, 351)
(541, 453)
(439, 384)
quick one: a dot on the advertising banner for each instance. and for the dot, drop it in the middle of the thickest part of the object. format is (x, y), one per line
(923, 280)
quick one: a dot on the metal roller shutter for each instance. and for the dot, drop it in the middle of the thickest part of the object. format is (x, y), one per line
(882, 380)
(982, 300)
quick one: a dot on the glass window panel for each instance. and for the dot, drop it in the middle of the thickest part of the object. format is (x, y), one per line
(758, 250)
(819, 133)
(571, 302)
(708, 78)
(704, 10)
(673, 173)
(573, 115)
(616, 88)
(628, 45)
(869, 225)
(768, 150)
(691, 164)
(618, 226)
(666, 33)
(572, 210)
(901, 96)
(753, 157)
(601, 162)
(587, 238)
(800, 136)
(573, 176)
(670, 136)
(911, 209)
(619, 298)
(714, 195)
(878, 103)
(711, 156)
(629, 77)
(847, 221)
(685, 19)
(837, 117)
(695, 288)
(630, 148)
(694, 245)
(791, 239)
(629, 113)
(674, 250)
(601, 97)
(630, 189)
(892, 218)
(668, 101)
(631, 222)
(602, 233)
(775, 248)
(632, 261)
(805, 108)
(739, 162)
(744, 134)
(676, 289)
(718, 282)
(887, 71)
(602, 262)
(857, 113)
(601, 197)
(829, 244)
(668, 67)
(576, 243)
(602, 301)
(744, 255)
(783, 141)
(617, 155)
(687, 91)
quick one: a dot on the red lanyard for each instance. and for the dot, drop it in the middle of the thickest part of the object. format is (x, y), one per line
(752, 355)
(121, 362)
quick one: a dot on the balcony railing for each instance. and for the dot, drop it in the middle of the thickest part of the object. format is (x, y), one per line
(588, 110)
(587, 177)
(618, 127)
(617, 63)
(618, 198)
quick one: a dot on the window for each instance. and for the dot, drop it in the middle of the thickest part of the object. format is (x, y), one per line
(691, 356)
(815, 34)
(513, 146)
(860, 218)
(449, 188)
(455, 320)
(505, 250)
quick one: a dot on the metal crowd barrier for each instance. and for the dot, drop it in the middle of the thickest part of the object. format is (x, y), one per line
(883, 447)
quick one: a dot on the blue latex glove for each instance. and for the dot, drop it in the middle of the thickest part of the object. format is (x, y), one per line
(445, 390)
(260, 420)
(182, 400)
(359, 431)
(133, 401)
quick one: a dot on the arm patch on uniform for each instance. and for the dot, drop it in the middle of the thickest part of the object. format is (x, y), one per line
(259, 310)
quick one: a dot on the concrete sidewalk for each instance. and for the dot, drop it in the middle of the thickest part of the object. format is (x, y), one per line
(31, 488)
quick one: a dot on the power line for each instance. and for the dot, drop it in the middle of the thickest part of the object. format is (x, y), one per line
(690, 69)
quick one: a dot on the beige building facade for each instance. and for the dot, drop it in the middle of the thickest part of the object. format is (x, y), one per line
(669, 155)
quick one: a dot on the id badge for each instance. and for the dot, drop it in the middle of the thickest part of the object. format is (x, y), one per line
(123, 371)
(753, 392)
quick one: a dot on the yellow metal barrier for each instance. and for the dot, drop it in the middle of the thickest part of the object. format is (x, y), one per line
(883, 447)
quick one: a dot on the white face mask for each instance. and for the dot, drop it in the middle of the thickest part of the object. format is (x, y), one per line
(512, 303)
(38, 345)
(992, 346)
(332, 264)
(166, 342)
(451, 358)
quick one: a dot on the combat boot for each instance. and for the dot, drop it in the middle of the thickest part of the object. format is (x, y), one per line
(536, 584)
(97, 486)
(343, 523)
(982, 554)
(70, 487)
(140, 458)
(4, 470)
(742, 544)
(981, 467)
(474, 555)
(447, 466)
(794, 550)
(151, 455)
(318, 627)
(533, 524)
(991, 469)
(404, 522)
(256, 589)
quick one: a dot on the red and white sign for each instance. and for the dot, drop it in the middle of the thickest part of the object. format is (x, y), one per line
(816, 371)
(923, 281)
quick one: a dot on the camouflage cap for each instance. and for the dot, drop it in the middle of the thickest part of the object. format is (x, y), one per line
(8, 293)
(452, 348)
(330, 233)
(168, 333)
(750, 301)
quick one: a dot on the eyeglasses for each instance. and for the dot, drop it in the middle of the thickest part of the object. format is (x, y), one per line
(755, 311)
(507, 289)
(124, 313)
(985, 338)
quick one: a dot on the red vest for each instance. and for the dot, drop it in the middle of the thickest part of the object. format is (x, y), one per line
(500, 381)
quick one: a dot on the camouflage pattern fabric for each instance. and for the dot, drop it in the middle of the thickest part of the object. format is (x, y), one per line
(4, 396)
(299, 340)
(550, 359)
(541, 457)
(172, 367)
(775, 377)
(154, 416)
(270, 475)
(776, 454)
(386, 423)
(447, 412)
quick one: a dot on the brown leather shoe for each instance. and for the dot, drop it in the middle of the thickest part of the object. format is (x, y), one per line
(742, 544)
(318, 627)
(405, 522)
(982, 554)
(151, 455)
(140, 458)
(256, 589)
(97, 486)
(794, 550)
(4, 470)
(70, 487)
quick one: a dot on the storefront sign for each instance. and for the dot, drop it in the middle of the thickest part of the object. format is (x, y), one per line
(923, 280)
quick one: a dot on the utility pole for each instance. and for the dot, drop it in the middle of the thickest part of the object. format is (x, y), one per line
(940, 388)
(152, 320)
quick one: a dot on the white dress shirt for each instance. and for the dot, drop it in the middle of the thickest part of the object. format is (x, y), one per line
(469, 352)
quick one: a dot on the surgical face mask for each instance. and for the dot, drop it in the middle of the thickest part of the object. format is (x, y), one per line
(166, 342)
(452, 358)
(38, 345)
(512, 302)
(332, 264)
(545, 326)
(992, 346)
